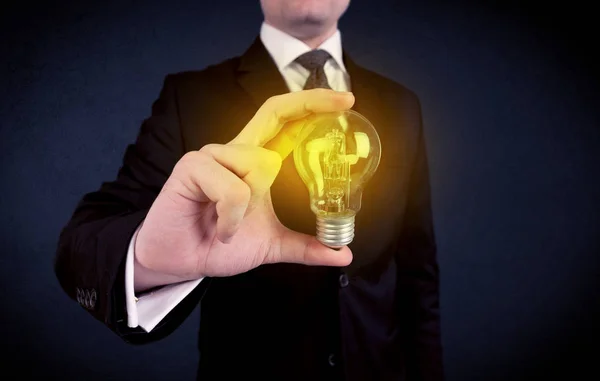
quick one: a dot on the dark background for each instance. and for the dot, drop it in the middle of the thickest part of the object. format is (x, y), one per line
(510, 104)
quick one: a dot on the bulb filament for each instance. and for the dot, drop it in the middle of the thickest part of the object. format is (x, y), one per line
(336, 172)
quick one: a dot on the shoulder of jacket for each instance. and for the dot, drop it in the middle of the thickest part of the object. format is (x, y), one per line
(386, 85)
(207, 75)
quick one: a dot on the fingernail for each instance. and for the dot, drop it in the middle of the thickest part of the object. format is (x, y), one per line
(226, 239)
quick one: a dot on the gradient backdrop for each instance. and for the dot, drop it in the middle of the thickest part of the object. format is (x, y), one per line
(510, 105)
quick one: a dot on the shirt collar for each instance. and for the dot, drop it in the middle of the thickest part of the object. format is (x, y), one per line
(285, 49)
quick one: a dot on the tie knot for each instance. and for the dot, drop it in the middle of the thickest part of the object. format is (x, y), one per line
(314, 59)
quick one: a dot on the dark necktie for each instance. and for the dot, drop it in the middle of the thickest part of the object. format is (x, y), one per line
(314, 61)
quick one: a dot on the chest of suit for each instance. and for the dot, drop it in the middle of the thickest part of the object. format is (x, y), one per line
(301, 314)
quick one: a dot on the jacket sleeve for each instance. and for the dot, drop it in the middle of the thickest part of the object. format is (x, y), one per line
(418, 271)
(92, 247)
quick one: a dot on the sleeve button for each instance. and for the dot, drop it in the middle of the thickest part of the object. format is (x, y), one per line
(331, 359)
(344, 280)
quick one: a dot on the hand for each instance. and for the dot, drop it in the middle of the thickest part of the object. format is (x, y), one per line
(214, 216)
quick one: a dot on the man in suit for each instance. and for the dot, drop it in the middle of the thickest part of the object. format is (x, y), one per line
(208, 208)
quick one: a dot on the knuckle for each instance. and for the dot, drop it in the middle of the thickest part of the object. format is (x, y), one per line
(272, 107)
(185, 161)
(239, 194)
(192, 160)
(272, 100)
(191, 157)
(208, 148)
(276, 117)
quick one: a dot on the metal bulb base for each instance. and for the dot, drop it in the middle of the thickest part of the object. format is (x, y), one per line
(335, 232)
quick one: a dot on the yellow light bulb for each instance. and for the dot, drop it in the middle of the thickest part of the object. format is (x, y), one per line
(336, 155)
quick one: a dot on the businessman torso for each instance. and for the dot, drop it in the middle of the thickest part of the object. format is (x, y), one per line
(288, 321)
(377, 319)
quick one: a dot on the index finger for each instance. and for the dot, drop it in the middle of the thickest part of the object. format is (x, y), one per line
(280, 109)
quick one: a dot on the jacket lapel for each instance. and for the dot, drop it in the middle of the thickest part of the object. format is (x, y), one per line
(258, 75)
(364, 87)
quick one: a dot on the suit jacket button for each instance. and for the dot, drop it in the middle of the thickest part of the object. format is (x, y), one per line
(93, 298)
(331, 359)
(344, 280)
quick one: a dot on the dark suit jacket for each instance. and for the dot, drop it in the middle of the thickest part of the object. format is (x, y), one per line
(377, 319)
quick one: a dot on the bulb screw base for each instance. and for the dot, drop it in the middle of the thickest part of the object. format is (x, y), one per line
(335, 232)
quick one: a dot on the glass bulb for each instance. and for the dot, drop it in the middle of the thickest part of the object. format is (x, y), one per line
(336, 156)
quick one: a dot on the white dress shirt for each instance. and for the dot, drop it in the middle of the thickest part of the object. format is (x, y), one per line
(284, 49)
(147, 311)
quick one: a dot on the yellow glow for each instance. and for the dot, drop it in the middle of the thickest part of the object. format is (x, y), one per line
(362, 144)
(336, 154)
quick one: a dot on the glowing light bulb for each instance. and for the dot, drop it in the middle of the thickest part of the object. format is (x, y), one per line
(336, 156)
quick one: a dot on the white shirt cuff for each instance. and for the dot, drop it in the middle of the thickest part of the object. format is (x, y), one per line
(150, 309)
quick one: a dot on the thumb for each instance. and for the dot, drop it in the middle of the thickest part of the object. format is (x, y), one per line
(301, 248)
